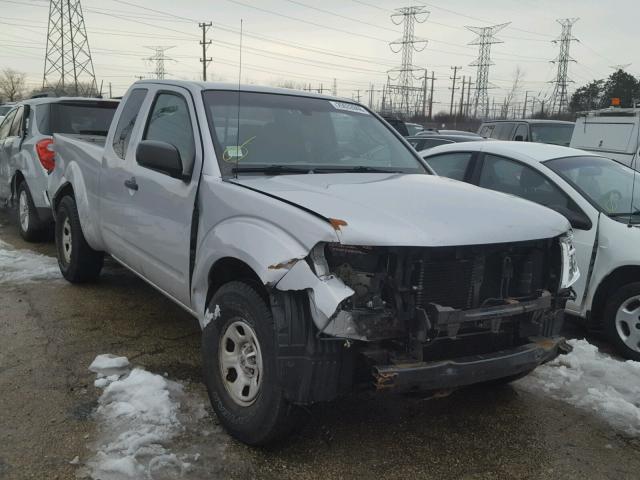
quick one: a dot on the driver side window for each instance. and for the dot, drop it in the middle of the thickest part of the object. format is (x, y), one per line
(509, 176)
(453, 165)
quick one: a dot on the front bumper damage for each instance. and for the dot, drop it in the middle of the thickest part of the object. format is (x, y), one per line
(463, 371)
(413, 319)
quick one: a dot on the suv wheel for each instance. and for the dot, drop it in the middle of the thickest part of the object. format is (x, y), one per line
(622, 320)
(77, 260)
(26, 215)
(239, 358)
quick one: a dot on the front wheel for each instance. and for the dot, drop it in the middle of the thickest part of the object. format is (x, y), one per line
(77, 260)
(622, 320)
(239, 358)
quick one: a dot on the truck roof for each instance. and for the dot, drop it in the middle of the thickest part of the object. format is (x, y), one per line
(530, 120)
(45, 100)
(198, 85)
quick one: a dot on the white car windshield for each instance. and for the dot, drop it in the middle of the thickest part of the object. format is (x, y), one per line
(606, 183)
(278, 133)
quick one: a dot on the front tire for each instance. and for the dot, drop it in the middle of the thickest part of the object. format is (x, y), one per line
(622, 320)
(239, 358)
(78, 262)
(29, 224)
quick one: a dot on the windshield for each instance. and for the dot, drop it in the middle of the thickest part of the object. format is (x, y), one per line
(91, 118)
(414, 128)
(292, 134)
(555, 134)
(607, 184)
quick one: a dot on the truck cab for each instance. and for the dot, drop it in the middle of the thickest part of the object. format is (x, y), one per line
(611, 132)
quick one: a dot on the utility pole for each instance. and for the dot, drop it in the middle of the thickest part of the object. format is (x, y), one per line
(433, 78)
(524, 109)
(468, 96)
(424, 94)
(453, 88)
(358, 95)
(485, 38)
(334, 90)
(205, 43)
(462, 97)
(68, 66)
(110, 92)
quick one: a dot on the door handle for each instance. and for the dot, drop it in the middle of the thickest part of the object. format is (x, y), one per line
(131, 183)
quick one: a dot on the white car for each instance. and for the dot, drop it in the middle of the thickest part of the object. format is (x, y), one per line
(595, 194)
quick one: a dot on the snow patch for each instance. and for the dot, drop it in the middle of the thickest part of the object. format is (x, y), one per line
(20, 266)
(593, 381)
(208, 316)
(140, 413)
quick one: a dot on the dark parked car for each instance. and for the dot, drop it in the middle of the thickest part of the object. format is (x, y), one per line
(555, 132)
(398, 124)
(424, 142)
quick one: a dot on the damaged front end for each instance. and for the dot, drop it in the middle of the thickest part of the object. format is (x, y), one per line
(409, 312)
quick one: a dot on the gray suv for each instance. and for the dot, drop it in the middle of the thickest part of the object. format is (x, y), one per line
(27, 156)
(555, 132)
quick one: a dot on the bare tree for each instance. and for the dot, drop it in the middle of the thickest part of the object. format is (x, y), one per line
(515, 89)
(12, 84)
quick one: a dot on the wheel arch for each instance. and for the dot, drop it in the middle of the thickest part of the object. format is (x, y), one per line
(16, 179)
(64, 190)
(229, 269)
(614, 280)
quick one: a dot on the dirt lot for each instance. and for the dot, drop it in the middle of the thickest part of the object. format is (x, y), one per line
(50, 331)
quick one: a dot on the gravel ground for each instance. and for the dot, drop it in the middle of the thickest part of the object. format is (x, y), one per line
(50, 331)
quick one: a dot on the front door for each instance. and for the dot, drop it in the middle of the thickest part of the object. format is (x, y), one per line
(158, 228)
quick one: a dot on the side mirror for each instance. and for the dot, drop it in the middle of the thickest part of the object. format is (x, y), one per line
(519, 138)
(24, 128)
(160, 156)
(578, 220)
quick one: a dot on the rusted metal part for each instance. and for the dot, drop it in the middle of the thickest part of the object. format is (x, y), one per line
(286, 264)
(337, 223)
(384, 380)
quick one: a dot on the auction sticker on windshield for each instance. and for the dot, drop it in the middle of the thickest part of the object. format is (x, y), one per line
(349, 107)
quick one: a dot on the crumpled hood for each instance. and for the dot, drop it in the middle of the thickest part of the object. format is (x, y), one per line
(412, 209)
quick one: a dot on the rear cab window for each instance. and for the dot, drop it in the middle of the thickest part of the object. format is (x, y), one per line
(75, 117)
(503, 131)
(127, 121)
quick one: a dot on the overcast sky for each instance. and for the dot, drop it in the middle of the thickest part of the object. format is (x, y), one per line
(342, 39)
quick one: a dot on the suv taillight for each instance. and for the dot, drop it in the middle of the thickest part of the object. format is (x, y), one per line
(46, 155)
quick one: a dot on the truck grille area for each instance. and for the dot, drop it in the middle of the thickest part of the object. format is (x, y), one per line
(412, 290)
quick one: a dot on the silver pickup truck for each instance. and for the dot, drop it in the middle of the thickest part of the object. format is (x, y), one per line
(316, 248)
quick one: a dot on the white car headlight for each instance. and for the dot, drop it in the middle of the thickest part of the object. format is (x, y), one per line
(570, 271)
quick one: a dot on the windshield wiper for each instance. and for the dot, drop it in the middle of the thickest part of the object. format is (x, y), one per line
(270, 169)
(356, 168)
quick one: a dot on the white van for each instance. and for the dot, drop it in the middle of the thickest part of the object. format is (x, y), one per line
(611, 132)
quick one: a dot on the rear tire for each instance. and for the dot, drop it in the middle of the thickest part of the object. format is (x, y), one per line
(239, 358)
(622, 320)
(78, 262)
(29, 224)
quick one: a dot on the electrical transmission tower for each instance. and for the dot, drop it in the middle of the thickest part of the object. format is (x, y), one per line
(560, 97)
(159, 58)
(403, 95)
(68, 67)
(486, 38)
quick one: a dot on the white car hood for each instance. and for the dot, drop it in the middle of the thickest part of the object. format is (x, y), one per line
(412, 209)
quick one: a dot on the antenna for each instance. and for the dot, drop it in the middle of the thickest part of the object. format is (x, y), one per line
(238, 146)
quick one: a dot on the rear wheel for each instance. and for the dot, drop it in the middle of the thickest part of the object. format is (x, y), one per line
(622, 320)
(239, 358)
(29, 225)
(77, 260)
